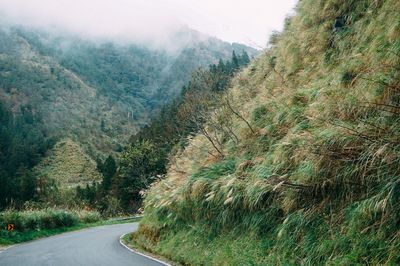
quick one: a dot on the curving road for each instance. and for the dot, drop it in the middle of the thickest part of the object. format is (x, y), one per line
(94, 246)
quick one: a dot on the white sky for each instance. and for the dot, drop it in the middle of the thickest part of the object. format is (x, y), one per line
(244, 21)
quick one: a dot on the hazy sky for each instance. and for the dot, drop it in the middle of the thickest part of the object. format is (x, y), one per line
(245, 21)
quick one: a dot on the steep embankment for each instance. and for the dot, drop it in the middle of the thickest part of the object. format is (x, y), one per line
(314, 176)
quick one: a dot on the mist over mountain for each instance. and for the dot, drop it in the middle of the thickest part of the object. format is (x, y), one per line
(151, 21)
(98, 92)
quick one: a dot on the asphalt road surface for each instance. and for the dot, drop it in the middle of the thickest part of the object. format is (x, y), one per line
(94, 246)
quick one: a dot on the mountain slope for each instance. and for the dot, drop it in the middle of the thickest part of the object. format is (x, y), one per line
(314, 177)
(68, 166)
(96, 93)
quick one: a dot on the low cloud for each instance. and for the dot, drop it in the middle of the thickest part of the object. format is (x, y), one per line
(248, 21)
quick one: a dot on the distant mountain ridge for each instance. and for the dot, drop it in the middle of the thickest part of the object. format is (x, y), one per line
(98, 94)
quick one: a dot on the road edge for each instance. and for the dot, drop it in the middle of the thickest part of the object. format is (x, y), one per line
(4, 248)
(140, 253)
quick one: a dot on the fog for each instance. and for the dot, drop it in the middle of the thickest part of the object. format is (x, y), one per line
(245, 21)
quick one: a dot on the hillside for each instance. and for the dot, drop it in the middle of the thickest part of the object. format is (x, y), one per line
(95, 92)
(66, 101)
(68, 165)
(313, 175)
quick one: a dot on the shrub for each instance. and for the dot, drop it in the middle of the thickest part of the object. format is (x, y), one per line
(89, 216)
(46, 219)
(63, 218)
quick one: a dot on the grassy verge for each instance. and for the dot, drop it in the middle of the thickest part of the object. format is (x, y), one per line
(302, 238)
(129, 240)
(194, 247)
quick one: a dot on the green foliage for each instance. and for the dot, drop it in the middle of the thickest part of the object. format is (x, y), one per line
(217, 170)
(97, 94)
(89, 216)
(108, 170)
(37, 220)
(317, 181)
(22, 144)
(178, 120)
(260, 116)
(94, 96)
(139, 166)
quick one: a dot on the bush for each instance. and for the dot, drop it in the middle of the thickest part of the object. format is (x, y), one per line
(89, 216)
(64, 218)
(46, 219)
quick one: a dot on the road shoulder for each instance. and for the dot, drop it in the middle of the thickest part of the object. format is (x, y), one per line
(148, 255)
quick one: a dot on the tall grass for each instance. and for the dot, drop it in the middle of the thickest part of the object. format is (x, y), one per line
(45, 219)
(318, 182)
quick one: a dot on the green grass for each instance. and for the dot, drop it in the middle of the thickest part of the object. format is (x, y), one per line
(193, 246)
(129, 241)
(301, 239)
(320, 184)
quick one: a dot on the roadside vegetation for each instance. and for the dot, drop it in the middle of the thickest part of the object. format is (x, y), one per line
(33, 224)
(307, 170)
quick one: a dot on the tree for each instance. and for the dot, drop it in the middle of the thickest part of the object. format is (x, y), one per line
(108, 169)
(235, 62)
(27, 184)
(22, 145)
(244, 59)
(139, 165)
(102, 125)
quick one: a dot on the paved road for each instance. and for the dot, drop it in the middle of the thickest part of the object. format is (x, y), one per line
(94, 246)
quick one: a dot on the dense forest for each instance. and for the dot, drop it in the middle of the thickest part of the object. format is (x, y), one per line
(23, 142)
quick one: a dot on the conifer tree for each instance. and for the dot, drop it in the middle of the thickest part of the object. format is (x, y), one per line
(108, 170)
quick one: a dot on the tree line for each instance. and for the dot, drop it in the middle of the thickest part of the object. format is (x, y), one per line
(23, 142)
